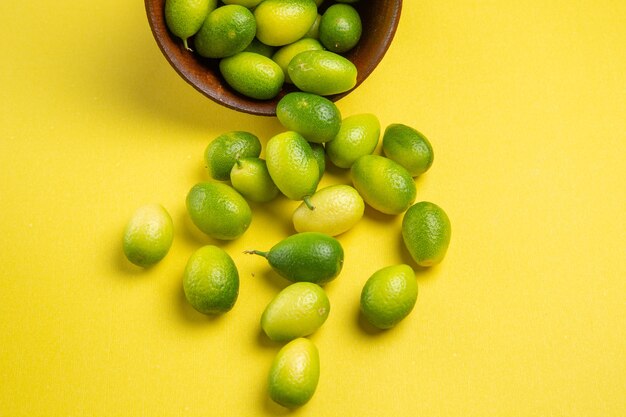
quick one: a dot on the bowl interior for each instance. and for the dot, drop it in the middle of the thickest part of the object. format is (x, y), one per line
(380, 19)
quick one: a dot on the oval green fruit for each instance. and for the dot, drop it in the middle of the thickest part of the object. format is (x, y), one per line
(306, 257)
(148, 235)
(226, 31)
(285, 54)
(253, 75)
(211, 280)
(218, 210)
(426, 232)
(297, 311)
(322, 72)
(384, 184)
(184, 18)
(357, 136)
(408, 147)
(294, 373)
(222, 152)
(281, 22)
(251, 178)
(340, 28)
(314, 117)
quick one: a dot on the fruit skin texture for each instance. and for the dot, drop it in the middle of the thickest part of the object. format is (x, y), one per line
(253, 75)
(281, 22)
(337, 209)
(148, 235)
(320, 157)
(252, 180)
(222, 152)
(306, 257)
(184, 18)
(218, 210)
(297, 311)
(226, 31)
(384, 184)
(408, 147)
(211, 281)
(294, 373)
(426, 232)
(316, 118)
(322, 72)
(389, 295)
(340, 28)
(357, 136)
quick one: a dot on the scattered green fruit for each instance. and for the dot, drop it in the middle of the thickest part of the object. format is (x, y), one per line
(408, 147)
(357, 136)
(251, 178)
(314, 117)
(426, 232)
(148, 235)
(222, 152)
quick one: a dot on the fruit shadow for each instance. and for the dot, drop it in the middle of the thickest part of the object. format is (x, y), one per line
(422, 274)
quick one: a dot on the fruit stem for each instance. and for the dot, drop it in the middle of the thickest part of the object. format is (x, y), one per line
(256, 252)
(186, 45)
(309, 204)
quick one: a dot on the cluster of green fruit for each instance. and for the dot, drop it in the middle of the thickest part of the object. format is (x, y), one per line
(295, 161)
(262, 44)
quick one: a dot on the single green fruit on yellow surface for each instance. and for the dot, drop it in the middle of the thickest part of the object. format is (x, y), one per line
(408, 147)
(322, 72)
(306, 257)
(253, 75)
(314, 117)
(384, 184)
(148, 235)
(294, 373)
(320, 157)
(226, 31)
(286, 53)
(184, 18)
(292, 165)
(297, 311)
(358, 135)
(218, 210)
(211, 280)
(340, 28)
(426, 232)
(337, 209)
(251, 178)
(281, 22)
(389, 295)
(222, 152)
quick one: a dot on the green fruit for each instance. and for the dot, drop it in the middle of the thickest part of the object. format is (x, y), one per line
(340, 28)
(306, 257)
(297, 311)
(314, 30)
(286, 53)
(316, 118)
(251, 178)
(384, 184)
(226, 31)
(294, 373)
(357, 136)
(292, 165)
(184, 18)
(322, 72)
(389, 295)
(148, 235)
(281, 22)
(211, 281)
(426, 233)
(320, 157)
(222, 152)
(260, 48)
(218, 210)
(408, 147)
(253, 75)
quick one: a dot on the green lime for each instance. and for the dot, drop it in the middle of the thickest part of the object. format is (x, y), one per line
(211, 280)
(384, 184)
(294, 373)
(148, 235)
(285, 54)
(297, 311)
(292, 165)
(226, 31)
(340, 28)
(322, 72)
(222, 152)
(320, 157)
(281, 22)
(184, 18)
(218, 210)
(314, 30)
(316, 118)
(306, 257)
(426, 233)
(251, 178)
(337, 209)
(357, 136)
(408, 147)
(389, 295)
(253, 75)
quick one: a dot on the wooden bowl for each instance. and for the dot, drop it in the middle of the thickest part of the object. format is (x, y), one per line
(380, 20)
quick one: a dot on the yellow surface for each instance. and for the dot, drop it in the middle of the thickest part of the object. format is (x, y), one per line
(525, 105)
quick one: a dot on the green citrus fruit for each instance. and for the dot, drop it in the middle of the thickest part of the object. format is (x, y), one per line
(357, 136)
(251, 178)
(340, 28)
(384, 184)
(253, 75)
(294, 373)
(281, 22)
(148, 235)
(322, 72)
(320, 157)
(297, 311)
(389, 295)
(260, 48)
(226, 31)
(426, 233)
(306, 257)
(285, 54)
(314, 30)
(218, 210)
(211, 280)
(316, 118)
(222, 152)
(184, 18)
(408, 147)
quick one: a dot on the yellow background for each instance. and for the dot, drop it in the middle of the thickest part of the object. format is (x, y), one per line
(525, 105)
